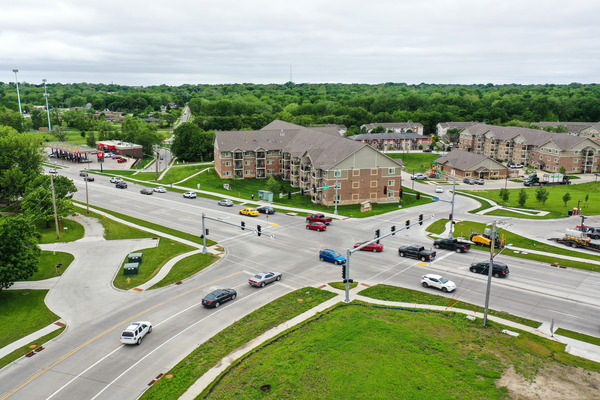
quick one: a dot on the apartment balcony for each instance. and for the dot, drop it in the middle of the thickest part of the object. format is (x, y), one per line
(260, 164)
(238, 165)
(238, 156)
(261, 154)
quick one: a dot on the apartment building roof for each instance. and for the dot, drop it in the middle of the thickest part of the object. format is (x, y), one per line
(387, 136)
(464, 160)
(571, 126)
(392, 125)
(311, 145)
(457, 124)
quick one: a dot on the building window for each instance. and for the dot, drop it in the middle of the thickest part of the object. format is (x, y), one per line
(269, 162)
(468, 174)
(228, 173)
(391, 171)
(575, 160)
(391, 183)
(225, 154)
(576, 151)
(390, 194)
(247, 163)
(228, 164)
(557, 151)
(556, 160)
(247, 172)
(248, 154)
(495, 173)
(355, 185)
(269, 171)
(337, 174)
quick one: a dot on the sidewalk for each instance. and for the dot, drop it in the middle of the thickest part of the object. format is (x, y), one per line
(575, 347)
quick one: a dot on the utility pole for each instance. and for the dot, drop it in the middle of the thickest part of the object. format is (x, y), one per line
(47, 107)
(156, 163)
(490, 268)
(18, 95)
(337, 173)
(87, 198)
(452, 212)
(54, 205)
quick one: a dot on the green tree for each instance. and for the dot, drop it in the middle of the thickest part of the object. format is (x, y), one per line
(522, 197)
(541, 195)
(19, 252)
(59, 134)
(37, 201)
(566, 198)
(134, 130)
(562, 170)
(504, 195)
(378, 129)
(192, 144)
(106, 130)
(273, 185)
(20, 162)
(90, 139)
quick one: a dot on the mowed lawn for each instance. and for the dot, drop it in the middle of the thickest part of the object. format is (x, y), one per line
(554, 205)
(365, 352)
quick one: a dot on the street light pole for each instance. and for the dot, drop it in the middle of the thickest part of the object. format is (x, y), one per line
(490, 268)
(452, 212)
(18, 95)
(337, 172)
(47, 107)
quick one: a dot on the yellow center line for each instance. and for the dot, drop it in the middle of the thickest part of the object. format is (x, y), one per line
(75, 350)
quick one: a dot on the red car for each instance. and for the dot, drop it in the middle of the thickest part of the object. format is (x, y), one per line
(316, 226)
(374, 247)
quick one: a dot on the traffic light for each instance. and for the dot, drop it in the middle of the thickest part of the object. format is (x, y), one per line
(400, 193)
(450, 217)
(377, 232)
(258, 230)
(314, 189)
(243, 225)
(344, 272)
(289, 194)
(302, 192)
(385, 190)
(393, 230)
(420, 219)
(206, 234)
(407, 224)
(418, 196)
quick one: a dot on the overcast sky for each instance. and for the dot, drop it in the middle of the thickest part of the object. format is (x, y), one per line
(134, 42)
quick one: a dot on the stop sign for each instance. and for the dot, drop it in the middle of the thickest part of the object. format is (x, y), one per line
(100, 154)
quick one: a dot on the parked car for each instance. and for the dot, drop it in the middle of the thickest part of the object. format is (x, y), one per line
(121, 185)
(264, 278)
(427, 150)
(266, 210)
(89, 178)
(160, 189)
(121, 160)
(370, 247)
(469, 181)
(513, 165)
(146, 191)
(225, 202)
(332, 256)
(215, 298)
(52, 171)
(249, 211)
(594, 233)
(498, 270)
(135, 332)
(438, 282)
(189, 195)
(419, 176)
(316, 226)
(479, 181)
(452, 244)
(115, 179)
(439, 189)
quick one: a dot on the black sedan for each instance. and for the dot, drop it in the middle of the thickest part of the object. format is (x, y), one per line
(216, 298)
(146, 191)
(266, 210)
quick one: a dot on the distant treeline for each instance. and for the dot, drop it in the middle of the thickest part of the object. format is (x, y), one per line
(250, 106)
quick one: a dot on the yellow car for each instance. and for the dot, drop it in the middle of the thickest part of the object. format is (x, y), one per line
(249, 211)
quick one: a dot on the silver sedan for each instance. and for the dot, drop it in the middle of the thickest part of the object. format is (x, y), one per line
(263, 278)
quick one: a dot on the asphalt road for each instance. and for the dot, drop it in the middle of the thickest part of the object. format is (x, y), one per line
(88, 362)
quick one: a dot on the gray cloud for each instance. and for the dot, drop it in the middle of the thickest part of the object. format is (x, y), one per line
(176, 42)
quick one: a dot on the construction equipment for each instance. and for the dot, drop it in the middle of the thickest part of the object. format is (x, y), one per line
(485, 239)
(575, 239)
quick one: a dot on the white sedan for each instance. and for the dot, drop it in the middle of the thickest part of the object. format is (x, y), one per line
(189, 195)
(52, 171)
(160, 189)
(115, 179)
(438, 282)
(439, 189)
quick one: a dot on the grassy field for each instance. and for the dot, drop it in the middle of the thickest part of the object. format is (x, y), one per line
(438, 227)
(69, 231)
(554, 205)
(364, 352)
(415, 160)
(47, 265)
(4, 361)
(462, 229)
(186, 268)
(24, 309)
(240, 332)
(153, 260)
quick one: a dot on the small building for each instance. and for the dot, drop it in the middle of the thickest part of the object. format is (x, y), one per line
(463, 164)
(121, 148)
(397, 127)
(393, 140)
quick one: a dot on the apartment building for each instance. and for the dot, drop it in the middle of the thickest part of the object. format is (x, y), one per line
(393, 140)
(310, 159)
(397, 127)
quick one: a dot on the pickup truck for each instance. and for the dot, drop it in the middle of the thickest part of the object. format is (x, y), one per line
(452, 244)
(319, 218)
(416, 251)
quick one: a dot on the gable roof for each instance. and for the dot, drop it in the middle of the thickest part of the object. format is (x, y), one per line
(464, 160)
(387, 136)
(535, 137)
(392, 125)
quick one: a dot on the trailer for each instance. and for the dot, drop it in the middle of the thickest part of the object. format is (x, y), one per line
(547, 179)
(574, 238)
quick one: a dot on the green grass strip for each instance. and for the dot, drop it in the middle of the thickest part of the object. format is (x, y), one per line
(187, 267)
(578, 336)
(15, 355)
(48, 262)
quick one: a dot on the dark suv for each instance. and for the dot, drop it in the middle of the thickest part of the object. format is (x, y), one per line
(499, 269)
(594, 233)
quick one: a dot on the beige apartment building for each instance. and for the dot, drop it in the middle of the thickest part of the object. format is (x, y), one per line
(309, 158)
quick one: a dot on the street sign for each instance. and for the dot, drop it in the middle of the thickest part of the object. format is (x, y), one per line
(435, 199)
(325, 187)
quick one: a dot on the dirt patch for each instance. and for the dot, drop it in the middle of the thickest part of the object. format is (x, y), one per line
(553, 383)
